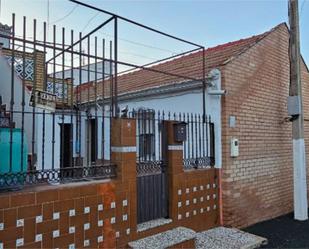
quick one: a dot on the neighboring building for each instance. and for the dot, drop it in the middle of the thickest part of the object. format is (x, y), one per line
(257, 184)
(53, 139)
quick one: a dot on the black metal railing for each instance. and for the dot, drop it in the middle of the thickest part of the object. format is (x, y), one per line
(59, 92)
(198, 143)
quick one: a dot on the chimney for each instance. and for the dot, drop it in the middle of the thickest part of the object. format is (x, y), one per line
(5, 30)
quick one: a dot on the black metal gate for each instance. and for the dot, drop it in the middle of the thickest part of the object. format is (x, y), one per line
(152, 185)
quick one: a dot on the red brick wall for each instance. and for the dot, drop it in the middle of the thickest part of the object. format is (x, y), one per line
(41, 216)
(49, 212)
(257, 185)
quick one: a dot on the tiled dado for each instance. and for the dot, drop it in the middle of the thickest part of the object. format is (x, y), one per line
(75, 217)
(196, 200)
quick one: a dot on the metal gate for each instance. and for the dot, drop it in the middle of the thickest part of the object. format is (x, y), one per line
(152, 185)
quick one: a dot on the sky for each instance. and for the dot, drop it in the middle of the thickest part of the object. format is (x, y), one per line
(205, 22)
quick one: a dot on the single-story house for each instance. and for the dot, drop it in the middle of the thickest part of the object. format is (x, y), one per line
(254, 72)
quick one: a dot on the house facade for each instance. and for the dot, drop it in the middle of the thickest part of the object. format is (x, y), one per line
(159, 160)
(254, 72)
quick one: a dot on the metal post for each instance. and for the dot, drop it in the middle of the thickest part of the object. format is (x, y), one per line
(299, 156)
(116, 67)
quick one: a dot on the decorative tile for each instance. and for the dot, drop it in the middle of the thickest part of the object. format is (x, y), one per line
(100, 223)
(113, 220)
(202, 210)
(86, 242)
(194, 189)
(87, 226)
(125, 203)
(194, 212)
(72, 229)
(187, 214)
(179, 204)
(194, 201)
(187, 190)
(38, 237)
(100, 239)
(56, 216)
(117, 234)
(179, 216)
(201, 187)
(20, 242)
(128, 231)
(56, 233)
(202, 199)
(72, 212)
(1, 226)
(86, 210)
(179, 192)
(72, 246)
(113, 204)
(208, 186)
(125, 217)
(20, 223)
(100, 207)
(38, 219)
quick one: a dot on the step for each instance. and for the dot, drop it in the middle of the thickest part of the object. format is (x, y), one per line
(152, 224)
(179, 237)
(228, 238)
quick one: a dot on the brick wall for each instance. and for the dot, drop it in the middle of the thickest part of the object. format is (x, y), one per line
(59, 217)
(257, 185)
(103, 214)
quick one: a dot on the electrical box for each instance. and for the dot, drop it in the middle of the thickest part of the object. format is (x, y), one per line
(234, 147)
(294, 105)
(180, 131)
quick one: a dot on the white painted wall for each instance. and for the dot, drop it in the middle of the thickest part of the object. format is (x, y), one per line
(188, 102)
(184, 102)
(5, 92)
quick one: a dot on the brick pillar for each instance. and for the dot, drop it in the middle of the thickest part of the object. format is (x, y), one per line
(175, 167)
(123, 147)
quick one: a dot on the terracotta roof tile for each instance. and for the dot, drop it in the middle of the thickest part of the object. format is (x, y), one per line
(189, 65)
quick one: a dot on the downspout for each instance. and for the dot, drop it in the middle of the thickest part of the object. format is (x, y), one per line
(215, 92)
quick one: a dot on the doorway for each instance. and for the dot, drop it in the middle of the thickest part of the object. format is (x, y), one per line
(65, 145)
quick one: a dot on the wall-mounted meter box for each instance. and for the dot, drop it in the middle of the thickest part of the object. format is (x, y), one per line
(180, 131)
(234, 147)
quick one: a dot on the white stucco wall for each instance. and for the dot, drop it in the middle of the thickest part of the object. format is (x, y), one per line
(188, 102)
(184, 102)
(5, 92)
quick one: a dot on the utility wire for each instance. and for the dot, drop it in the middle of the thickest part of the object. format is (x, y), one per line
(65, 16)
(302, 7)
(141, 44)
(90, 20)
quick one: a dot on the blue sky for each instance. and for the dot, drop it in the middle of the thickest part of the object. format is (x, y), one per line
(208, 23)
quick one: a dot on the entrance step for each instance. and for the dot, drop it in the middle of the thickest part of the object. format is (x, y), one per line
(180, 237)
(152, 224)
(228, 238)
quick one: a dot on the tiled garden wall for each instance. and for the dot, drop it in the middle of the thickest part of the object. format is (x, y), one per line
(103, 214)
